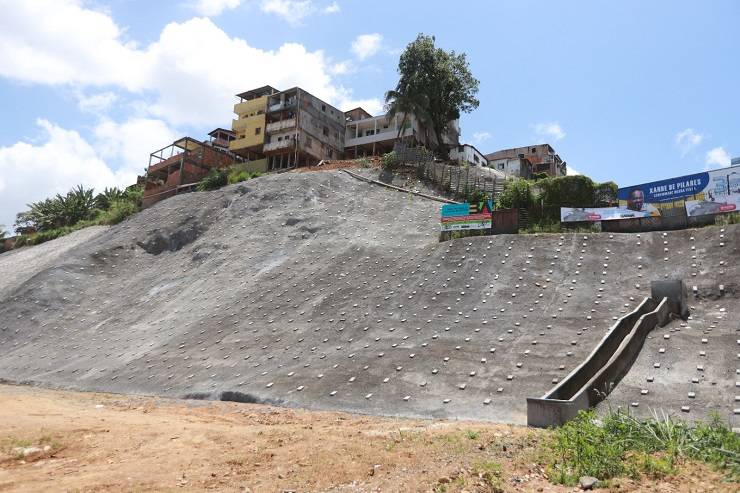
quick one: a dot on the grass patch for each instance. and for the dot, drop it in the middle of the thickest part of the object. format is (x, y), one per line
(621, 445)
(11, 445)
(491, 474)
(472, 435)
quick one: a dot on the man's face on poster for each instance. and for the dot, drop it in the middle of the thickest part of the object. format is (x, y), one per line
(636, 200)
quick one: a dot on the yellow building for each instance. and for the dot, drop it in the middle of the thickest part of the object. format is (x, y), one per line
(249, 126)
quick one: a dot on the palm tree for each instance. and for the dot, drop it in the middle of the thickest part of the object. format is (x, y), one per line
(407, 104)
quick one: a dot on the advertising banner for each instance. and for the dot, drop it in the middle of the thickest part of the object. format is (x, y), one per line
(722, 194)
(457, 217)
(710, 192)
(579, 214)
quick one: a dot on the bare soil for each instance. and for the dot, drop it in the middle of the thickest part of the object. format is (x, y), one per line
(106, 442)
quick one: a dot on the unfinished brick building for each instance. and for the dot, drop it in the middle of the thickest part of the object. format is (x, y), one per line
(179, 166)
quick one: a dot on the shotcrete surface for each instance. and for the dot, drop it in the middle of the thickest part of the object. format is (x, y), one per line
(320, 291)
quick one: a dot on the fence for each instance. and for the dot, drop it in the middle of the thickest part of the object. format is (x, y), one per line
(460, 181)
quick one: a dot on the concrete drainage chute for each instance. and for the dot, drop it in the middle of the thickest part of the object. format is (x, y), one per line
(601, 371)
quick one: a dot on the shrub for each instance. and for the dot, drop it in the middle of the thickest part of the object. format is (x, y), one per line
(621, 444)
(517, 194)
(389, 161)
(214, 180)
(117, 212)
(567, 191)
(236, 176)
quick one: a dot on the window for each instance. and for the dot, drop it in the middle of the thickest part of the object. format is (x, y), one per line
(279, 139)
(331, 153)
(533, 150)
(323, 108)
(475, 158)
(257, 130)
(501, 166)
(309, 142)
(326, 131)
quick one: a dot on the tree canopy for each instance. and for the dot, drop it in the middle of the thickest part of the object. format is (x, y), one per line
(434, 84)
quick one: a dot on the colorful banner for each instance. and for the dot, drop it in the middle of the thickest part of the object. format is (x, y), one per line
(457, 217)
(722, 194)
(710, 192)
(581, 214)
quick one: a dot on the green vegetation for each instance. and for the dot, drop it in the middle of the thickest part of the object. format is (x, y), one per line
(435, 85)
(620, 445)
(237, 176)
(389, 161)
(79, 208)
(214, 180)
(491, 474)
(517, 194)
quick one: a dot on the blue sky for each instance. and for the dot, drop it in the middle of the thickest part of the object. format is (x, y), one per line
(629, 91)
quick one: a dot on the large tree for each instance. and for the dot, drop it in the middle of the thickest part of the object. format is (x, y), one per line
(438, 80)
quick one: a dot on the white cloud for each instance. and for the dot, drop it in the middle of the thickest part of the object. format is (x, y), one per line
(481, 136)
(62, 160)
(127, 145)
(96, 103)
(571, 172)
(212, 8)
(717, 157)
(332, 8)
(366, 45)
(292, 11)
(59, 42)
(374, 106)
(342, 68)
(687, 139)
(549, 130)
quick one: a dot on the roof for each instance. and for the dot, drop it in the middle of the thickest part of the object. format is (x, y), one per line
(213, 132)
(255, 93)
(511, 149)
(362, 110)
(474, 148)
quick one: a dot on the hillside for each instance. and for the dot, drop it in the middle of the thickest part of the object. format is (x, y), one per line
(320, 291)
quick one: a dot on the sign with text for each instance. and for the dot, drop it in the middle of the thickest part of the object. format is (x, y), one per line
(457, 217)
(581, 214)
(710, 192)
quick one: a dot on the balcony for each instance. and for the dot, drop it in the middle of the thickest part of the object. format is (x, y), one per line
(383, 135)
(282, 106)
(277, 145)
(281, 125)
(251, 106)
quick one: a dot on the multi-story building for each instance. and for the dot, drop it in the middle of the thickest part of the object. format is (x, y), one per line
(220, 138)
(367, 135)
(734, 161)
(543, 158)
(518, 167)
(286, 129)
(466, 154)
(179, 166)
(249, 126)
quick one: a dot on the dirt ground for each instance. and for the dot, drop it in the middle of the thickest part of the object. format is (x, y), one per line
(105, 442)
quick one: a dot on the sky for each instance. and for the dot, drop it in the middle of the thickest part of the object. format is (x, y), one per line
(629, 91)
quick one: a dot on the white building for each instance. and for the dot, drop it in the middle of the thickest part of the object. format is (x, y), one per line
(466, 154)
(518, 167)
(367, 135)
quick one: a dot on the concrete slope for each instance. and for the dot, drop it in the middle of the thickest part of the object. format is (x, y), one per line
(320, 291)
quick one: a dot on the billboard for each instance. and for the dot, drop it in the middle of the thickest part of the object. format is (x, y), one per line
(709, 192)
(722, 194)
(465, 216)
(580, 214)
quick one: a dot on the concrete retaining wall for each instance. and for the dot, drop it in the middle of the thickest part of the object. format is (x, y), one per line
(612, 358)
